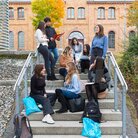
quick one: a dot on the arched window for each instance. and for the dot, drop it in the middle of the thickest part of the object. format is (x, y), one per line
(20, 13)
(111, 39)
(101, 13)
(11, 13)
(21, 40)
(111, 13)
(70, 13)
(81, 13)
(132, 34)
(11, 39)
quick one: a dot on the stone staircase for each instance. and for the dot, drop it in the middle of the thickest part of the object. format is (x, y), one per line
(67, 124)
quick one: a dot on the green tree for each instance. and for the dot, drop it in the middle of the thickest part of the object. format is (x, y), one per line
(51, 8)
(132, 15)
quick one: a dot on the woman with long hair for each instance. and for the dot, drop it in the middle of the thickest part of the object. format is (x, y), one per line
(99, 43)
(100, 77)
(84, 59)
(39, 94)
(65, 57)
(42, 45)
(77, 49)
(71, 87)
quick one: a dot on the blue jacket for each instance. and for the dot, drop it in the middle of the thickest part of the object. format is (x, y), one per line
(100, 42)
(74, 85)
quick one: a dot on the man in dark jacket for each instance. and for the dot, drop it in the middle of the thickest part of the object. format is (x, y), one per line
(50, 32)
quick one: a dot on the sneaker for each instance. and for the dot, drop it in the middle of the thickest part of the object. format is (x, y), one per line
(61, 111)
(48, 119)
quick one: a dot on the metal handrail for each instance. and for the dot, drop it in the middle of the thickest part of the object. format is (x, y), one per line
(23, 75)
(118, 74)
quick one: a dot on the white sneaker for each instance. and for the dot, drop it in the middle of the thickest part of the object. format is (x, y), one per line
(48, 119)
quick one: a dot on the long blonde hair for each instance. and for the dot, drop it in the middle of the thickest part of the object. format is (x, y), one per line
(66, 51)
(72, 70)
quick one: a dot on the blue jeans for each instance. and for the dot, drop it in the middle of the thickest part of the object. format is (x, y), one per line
(63, 72)
(69, 95)
(55, 53)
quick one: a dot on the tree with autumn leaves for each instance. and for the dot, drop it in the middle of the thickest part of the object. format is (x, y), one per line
(132, 16)
(48, 8)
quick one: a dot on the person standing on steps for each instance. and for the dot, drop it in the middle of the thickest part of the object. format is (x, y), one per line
(65, 57)
(71, 88)
(50, 32)
(39, 94)
(42, 45)
(99, 43)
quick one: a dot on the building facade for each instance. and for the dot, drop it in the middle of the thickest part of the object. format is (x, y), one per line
(79, 21)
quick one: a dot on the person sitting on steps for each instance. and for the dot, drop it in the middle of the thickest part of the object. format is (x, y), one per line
(100, 76)
(71, 88)
(65, 57)
(42, 45)
(84, 59)
(39, 94)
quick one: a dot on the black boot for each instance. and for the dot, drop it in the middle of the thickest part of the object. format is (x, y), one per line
(62, 100)
(53, 74)
(54, 77)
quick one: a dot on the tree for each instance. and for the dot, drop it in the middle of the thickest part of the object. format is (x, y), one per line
(132, 15)
(48, 8)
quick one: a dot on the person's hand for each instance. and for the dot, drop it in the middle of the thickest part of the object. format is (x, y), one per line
(58, 38)
(103, 80)
(52, 39)
(91, 66)
(67, 82)
(45, 95)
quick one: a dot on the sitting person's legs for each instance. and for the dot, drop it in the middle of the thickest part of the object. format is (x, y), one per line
(63, 72)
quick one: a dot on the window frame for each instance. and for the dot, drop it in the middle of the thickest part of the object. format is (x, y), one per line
(70, 13)
(11, 12)
(21, 39)
(81, 13)
(21, 14)
(101, 13)
(111, 13)
(112, 39)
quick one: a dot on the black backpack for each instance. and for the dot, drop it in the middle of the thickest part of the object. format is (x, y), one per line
(92, 111)
(22, 126)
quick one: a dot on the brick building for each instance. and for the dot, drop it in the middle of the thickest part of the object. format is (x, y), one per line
(80, 18)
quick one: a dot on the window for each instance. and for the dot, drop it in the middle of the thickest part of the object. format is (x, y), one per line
(132, 34)
(111, 39)
(21, 40)
(11, 13)
(101, 13)
(111, 13)
(70, 13)
(81, 13)
(11, 39)
(21, 13)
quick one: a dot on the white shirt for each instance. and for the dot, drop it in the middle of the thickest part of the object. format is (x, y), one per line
(41, 38)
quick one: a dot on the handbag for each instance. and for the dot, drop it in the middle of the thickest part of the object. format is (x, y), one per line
(77, 104)
(30, 105)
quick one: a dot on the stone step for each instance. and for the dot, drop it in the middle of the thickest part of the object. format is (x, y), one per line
(82, 76)
(110, 94)
(72, 128)
(108, 115)
(103, 103)
(71, 136)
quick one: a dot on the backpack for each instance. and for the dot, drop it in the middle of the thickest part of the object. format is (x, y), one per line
(22, 126)
(92, 111)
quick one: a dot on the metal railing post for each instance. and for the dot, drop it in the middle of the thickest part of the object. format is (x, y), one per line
(25, 84)
(31, 64)
(115, 91)
(109, 68)
(17, 100)
(124, 113)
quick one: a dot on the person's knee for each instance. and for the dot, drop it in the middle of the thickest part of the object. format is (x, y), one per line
(58, 91)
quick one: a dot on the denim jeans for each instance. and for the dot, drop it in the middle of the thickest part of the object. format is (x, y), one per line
(63, 72)
(55, 53)
(48, 58)
(69, 95)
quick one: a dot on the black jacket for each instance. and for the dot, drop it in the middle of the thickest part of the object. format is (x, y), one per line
(50, 32)
(37, 86)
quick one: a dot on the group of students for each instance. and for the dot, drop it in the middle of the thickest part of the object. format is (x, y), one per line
(68, 68)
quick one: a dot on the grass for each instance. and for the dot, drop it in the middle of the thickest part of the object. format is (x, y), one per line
(133, 112)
